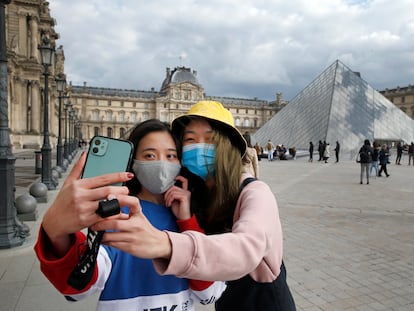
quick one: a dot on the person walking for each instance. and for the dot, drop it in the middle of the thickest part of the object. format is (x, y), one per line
(384, 159)
(411, 153)
(374, 159)
(320, 150)
(250, 158)
(258, 151)
(365, 158)
(326, 152)
(270, 148)
(310, 151)
(400, 149)
(337, 149)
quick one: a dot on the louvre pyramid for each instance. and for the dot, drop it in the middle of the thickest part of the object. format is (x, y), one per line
(337, 106)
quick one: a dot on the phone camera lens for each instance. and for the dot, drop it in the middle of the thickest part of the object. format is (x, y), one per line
(97, 142)
(95, 149)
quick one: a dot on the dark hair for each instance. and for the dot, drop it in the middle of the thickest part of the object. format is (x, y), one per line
(137, 134)
(246, 136)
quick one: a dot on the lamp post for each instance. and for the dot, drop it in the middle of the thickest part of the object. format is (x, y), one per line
(46, 52)
(11, 230)
(67, 107)
(60, 85)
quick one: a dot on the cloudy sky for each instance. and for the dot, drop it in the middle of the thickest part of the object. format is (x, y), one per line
(239, 48)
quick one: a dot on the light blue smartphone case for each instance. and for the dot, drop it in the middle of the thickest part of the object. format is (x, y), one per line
(107, 155)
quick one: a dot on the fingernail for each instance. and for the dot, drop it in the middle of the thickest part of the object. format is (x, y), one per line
(130, 175)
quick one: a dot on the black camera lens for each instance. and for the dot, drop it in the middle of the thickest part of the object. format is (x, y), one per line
(97, 142)
(95, 149)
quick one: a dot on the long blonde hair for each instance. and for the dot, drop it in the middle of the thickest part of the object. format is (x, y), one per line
(225, 192)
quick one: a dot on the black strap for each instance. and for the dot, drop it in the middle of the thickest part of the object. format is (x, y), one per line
(247, 181)
(83, 272)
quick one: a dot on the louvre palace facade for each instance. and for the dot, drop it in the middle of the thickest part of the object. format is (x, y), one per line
(113, 112)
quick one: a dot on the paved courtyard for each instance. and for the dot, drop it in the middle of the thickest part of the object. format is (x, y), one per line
(347, 246)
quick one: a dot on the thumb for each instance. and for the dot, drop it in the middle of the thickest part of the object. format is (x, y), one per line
(133, 204)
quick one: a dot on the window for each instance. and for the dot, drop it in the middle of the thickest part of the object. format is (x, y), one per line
(109, 132)
(145, 115)
(121, 132)
(96, 130)
(109, 115)
(134, 116)
(122, 116)
(95, 115)
(237, 121)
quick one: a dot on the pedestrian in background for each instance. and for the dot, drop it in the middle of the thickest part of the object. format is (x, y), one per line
(364, 158)
(411, 153)
(270, 148)
(259, 151)
(400, 149)
(337, 149)
(310, 151)
(320, 150)
(384, 159)
(374, 160)
(250, 158)
(326, 152)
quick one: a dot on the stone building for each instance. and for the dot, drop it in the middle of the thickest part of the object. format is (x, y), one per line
(89, 110)
(113, 112)
(27, 22)
(402, 97)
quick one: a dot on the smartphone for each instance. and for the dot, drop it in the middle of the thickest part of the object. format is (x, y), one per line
(107, 155)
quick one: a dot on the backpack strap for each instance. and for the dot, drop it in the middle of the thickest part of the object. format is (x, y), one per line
(247, 181)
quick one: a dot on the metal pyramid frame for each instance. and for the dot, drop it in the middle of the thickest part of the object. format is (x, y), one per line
(337, 106)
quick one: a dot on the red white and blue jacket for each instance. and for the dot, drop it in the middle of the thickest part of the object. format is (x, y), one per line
(127, 282)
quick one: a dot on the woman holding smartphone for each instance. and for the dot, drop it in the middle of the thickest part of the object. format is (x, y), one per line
(126, 282)
(244, 242)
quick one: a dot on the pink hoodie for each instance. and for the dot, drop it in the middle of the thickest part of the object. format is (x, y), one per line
(253, 247)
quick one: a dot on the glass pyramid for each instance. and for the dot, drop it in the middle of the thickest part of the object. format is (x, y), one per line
(337, 106)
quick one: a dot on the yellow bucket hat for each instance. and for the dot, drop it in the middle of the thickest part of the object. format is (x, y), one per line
(218, 116)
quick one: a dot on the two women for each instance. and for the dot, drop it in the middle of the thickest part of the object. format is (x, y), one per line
(126, 282)
(243, 244)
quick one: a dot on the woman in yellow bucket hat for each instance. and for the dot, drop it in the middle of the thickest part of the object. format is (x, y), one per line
(243, 244)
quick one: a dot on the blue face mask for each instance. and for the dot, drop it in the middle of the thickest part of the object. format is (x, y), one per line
(199, 159)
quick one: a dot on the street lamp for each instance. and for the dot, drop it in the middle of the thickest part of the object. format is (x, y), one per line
(11, 230)
(67, 107)
(46, 52)
(60, 85)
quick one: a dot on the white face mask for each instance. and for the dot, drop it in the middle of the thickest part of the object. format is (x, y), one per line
(156, 176)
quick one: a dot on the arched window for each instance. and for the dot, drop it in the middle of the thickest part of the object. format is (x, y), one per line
(246, 122)
(109, 132)
(122, 132)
